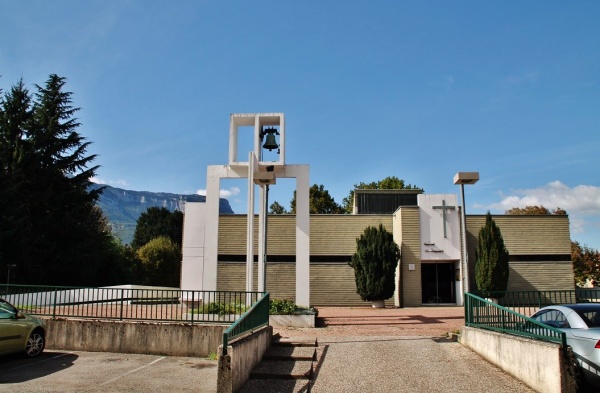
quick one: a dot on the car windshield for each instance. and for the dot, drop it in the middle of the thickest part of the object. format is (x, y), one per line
(6, 310)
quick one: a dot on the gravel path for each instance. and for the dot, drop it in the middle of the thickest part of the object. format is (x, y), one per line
(398, 350)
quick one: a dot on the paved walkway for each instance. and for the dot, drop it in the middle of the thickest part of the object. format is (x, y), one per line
(358, 354)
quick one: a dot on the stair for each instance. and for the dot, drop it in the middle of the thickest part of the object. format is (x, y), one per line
(287, 366)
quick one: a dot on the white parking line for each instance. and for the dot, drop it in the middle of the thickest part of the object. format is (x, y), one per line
(132, 371)
(41, 361)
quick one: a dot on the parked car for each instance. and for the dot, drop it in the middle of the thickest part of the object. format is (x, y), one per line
(20, 332)
(581, 323)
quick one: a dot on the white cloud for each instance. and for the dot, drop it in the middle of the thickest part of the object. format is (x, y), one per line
(117, 183)
(97, 180)
(231, 192)
(582, 199)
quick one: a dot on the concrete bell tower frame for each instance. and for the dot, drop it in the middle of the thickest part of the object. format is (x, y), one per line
(259, 173)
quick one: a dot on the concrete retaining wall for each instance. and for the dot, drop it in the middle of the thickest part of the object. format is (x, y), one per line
(541, 365)
(173, 339)
(242, 356)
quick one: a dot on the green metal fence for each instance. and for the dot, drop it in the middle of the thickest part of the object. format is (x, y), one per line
(484, 314)
(256, 317)
(130, 302)
(528, 302)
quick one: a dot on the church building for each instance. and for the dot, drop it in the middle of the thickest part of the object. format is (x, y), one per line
(305, 257)
(427, 229)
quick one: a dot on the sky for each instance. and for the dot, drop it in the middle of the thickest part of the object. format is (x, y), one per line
(420, 90)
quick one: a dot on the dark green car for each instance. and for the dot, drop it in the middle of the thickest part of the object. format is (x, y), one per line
(20, 332)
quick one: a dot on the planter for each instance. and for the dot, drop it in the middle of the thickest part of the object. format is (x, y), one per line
(378, 303)
(292, 320)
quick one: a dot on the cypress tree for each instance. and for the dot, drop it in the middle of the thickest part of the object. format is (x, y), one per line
(375, 263)
(491, 260)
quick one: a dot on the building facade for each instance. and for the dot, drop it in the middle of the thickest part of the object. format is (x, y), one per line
(429, 235)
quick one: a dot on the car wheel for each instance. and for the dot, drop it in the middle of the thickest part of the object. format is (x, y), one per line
(35, 344)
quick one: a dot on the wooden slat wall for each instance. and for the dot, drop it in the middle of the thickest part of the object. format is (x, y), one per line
(541, 276)
(526, 235)
(408, 221)
(331, 284)
(329, 234)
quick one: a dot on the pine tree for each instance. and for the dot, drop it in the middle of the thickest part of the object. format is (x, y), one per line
(491, 260)
(59, 236)
(375, 263)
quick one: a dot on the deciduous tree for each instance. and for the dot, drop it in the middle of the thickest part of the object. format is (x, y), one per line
(276, 208)
(388, 183)
(161, 260)
(320, 201)
(156, 222)
(534, 210)
(586, 264)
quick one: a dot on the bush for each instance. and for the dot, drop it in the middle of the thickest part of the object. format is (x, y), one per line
(491, 260)
(222, 308)
(375, 263)
(288, 307)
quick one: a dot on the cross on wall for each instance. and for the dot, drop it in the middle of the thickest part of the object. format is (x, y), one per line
(444, 208)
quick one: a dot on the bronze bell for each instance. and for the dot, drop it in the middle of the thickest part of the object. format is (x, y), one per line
(270, 142)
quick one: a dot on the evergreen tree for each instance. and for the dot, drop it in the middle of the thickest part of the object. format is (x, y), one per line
(375, 263)
(15, 122)
(58, 234)
(491, 260)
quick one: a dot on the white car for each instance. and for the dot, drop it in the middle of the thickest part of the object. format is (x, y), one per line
(581, 323)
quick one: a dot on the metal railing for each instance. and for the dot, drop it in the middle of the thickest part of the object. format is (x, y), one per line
(484, 314)
(256, 317)
(528, 302)
(130, 302)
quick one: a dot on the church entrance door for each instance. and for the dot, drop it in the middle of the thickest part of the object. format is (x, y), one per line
(438, 282)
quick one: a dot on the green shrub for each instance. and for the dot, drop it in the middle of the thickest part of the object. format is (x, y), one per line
(491, 260)
(288, 307)
(374, 264)
(222, 308)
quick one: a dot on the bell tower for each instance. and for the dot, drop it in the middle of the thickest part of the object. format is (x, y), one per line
(266, 162)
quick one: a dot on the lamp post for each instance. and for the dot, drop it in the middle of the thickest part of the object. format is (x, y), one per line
(463, 178)
(10, 265)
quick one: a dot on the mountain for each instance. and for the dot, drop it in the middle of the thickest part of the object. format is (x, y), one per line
(123, 207)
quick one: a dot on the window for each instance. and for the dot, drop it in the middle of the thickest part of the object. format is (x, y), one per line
(553, 318)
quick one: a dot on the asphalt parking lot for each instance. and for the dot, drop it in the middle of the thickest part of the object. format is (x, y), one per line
(58, 371)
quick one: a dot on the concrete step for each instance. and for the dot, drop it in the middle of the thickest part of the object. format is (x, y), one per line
(285, 353)
(276, 369)
(275, 386)
(278, 342)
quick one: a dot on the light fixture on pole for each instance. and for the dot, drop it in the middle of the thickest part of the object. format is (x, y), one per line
(463, 178)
